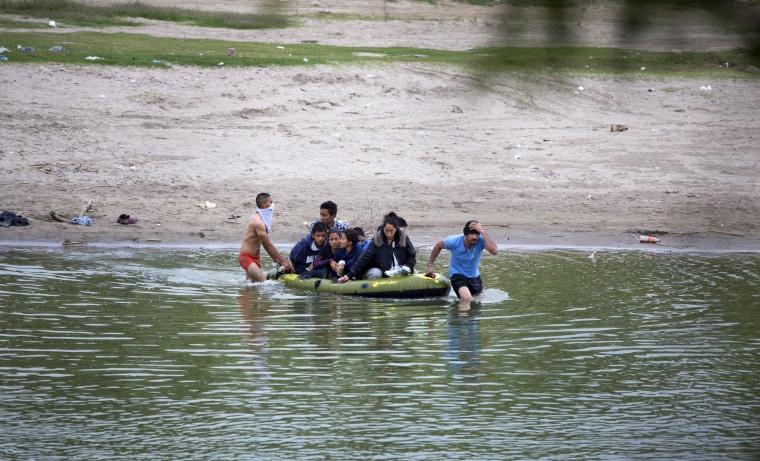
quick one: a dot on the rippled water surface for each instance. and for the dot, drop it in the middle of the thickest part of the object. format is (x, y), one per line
(145, 354)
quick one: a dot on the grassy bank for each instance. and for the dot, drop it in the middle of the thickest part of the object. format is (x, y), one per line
(79, 14)
(143, 50)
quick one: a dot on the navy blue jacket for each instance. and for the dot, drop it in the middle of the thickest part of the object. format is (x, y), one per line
(303, 253)
(349, 258)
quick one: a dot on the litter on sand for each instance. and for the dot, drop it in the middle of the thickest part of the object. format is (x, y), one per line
(82, 220)
(126, 219)
(9, 218)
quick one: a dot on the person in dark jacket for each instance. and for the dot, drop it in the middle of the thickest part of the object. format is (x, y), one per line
(304, 253)
(348, 253)
(390, 251)
(322, 268)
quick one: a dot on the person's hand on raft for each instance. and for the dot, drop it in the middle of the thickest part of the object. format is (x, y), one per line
(343, 279)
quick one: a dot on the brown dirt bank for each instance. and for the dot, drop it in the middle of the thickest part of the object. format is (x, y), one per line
(531, 156)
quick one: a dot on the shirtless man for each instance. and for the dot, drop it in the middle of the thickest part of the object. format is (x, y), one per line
(257, 235)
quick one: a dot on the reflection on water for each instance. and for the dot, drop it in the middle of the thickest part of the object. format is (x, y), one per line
(139, 354)
(463, 346)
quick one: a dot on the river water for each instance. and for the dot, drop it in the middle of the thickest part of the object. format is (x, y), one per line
(129, 353)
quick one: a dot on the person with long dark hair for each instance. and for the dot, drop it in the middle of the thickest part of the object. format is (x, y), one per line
(348, 253)
(390, 251)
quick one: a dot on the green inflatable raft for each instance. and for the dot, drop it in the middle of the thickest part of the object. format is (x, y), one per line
(405, 286)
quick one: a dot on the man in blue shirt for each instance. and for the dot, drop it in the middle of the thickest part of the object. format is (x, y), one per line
(466, 249)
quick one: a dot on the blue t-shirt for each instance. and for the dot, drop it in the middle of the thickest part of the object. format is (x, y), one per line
(464, 261)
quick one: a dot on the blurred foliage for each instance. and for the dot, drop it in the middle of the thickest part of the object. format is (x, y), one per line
(638, 18)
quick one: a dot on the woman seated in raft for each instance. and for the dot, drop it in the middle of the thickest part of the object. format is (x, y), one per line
(390, 251)
(348, 252)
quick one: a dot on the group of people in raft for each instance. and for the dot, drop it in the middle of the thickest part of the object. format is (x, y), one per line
(339, 252)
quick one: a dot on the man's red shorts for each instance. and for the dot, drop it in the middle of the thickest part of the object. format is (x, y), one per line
(246, 259)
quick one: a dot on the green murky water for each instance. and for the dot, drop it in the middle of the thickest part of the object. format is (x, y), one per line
(112, 353)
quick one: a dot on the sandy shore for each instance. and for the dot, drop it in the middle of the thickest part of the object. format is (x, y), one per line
(531, 156)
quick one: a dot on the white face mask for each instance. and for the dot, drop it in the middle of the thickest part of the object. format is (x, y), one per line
(266, 215)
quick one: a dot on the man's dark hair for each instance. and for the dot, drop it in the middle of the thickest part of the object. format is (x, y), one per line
(359, 231)
(467, 229)
(330, 206)
(318, 227)
(261, 199)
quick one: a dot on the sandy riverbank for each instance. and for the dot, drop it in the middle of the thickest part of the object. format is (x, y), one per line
(531, 156)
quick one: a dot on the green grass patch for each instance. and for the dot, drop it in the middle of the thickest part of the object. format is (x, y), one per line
(79, 14)
(143, 50)
(6, 23)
